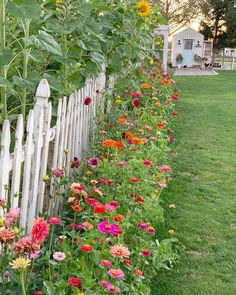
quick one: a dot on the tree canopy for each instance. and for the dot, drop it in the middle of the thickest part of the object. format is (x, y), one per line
(219, 22)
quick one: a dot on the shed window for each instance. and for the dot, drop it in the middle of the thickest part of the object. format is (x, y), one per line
(188, 45)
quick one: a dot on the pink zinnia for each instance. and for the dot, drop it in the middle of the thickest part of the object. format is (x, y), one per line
(59, 256)
(12, 216)
(54, 220)
(113, 289)
(134, 179)
(106, 263)
(2, 203)
(116, 273)
(40, 230)
(146, 253)
(38, 293)
(143, 225)
(58, 172)
(171, 139)
(151, 230)
(112, 206)
(120, 251)
(147, 127)
(148, 163)
(93, 162)
(105, 283)
(165, 169)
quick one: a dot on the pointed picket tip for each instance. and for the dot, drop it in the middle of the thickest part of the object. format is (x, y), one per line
(43, 89)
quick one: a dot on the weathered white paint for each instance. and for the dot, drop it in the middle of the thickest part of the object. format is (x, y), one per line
(29, 162)
(163, 30)
(178, 46)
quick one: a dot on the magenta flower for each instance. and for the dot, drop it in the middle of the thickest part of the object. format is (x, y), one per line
(116, 273)
(59, 256)
(171, 139)
(58, 172)
(148, 163)
(146, 253)
(93, 162)
(87, 101)
(54, 220)
(108, 228)
(105, 283)
(112, 206)
(38, 293)
(106, 263)
(113, 289)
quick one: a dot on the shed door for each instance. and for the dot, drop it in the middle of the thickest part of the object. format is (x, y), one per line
(188, 53)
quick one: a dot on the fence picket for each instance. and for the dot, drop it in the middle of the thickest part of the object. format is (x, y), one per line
(5, 160)
(29, 148)
(38, 143)
(17, 160)
(29, 163)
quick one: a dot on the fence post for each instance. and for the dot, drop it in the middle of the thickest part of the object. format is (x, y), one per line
(39, 163)
(42, 95)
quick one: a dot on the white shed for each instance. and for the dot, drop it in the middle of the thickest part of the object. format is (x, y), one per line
(191, 46)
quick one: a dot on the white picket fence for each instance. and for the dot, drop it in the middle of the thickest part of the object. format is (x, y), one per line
(21, 172)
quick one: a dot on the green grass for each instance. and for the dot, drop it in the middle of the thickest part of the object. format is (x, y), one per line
(204, 190)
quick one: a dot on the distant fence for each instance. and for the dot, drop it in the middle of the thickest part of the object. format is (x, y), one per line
(21, 172)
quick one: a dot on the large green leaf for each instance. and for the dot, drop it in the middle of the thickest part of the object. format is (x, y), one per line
(49, 288)
(4, 82)
(5, 57)
(44, 41)
(24, 8)
(54, 83)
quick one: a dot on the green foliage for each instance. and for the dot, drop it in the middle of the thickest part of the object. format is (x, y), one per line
(203, 190)
(67, 42)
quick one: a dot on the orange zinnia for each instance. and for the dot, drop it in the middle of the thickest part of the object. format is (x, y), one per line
(165, 81)
(119, 144)
(121, 121)
(108, 143)
(145, 86)
(136, 140)
(161, 125)
(129, 134)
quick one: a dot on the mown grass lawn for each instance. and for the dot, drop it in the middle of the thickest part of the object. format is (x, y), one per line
(204, 190)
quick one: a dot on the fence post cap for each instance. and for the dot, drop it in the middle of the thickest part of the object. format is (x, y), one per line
(43, 90)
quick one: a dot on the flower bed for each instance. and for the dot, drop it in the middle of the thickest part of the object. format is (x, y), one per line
(107, 239)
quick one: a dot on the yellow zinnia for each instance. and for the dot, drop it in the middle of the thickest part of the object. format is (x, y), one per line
(20, 263)
(58, 1)
(144, 8)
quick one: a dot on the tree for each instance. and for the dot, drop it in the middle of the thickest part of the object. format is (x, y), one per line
(219, 23)
(179, 13)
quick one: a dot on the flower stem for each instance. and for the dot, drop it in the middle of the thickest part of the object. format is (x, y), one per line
(2, 48)
(22, 283)
(25, 66)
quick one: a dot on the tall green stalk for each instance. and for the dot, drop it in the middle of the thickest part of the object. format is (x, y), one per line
(26, 26)
(2, 47)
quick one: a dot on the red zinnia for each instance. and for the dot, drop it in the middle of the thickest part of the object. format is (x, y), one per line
(136, 102)
(87, 248)
(74, 281)
(87, 101)
(99, 209)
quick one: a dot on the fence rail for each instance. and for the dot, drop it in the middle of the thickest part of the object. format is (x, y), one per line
(21, 172)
